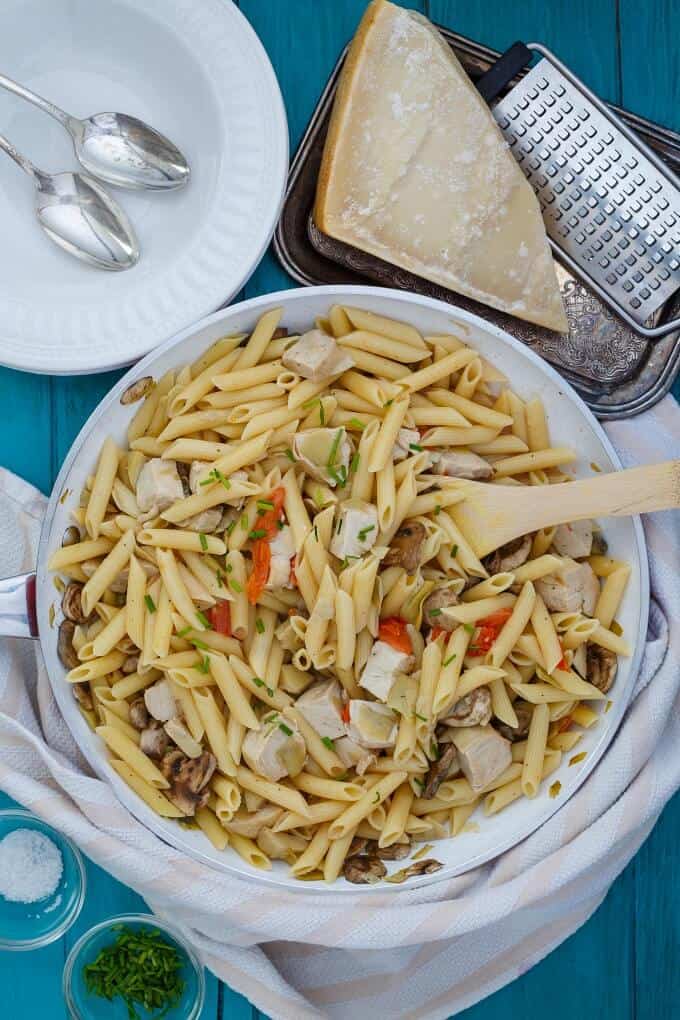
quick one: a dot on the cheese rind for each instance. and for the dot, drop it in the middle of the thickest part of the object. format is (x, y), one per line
(416, 171)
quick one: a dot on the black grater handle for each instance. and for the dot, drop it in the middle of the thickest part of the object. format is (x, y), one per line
(514, 60)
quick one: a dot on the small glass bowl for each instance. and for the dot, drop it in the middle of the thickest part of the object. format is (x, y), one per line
(32, 925)
(85, 1006)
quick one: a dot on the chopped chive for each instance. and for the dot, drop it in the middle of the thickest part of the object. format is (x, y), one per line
(264, 505)
(364, 532)
(469, 628)
(316, 533)
(235, 586)
(419, 716)
(271, 717)
(327, 742)
(204, 666)
(339, 528)
(419, 782)
(437, 510)
(388, 403)
(312, 402)
(199, 644)
(447, 662)
(244, 522)
(204, 541)
(334, 448)
(202, 618)
(415, 446)
(434, 750)
(259, 626)
(150, 605)
(356, 460)
(290, 455)
(285, 729)
(322, 414)
(258, 683)
(183, 632)
(361, 425)
(230, 527)
(435, 612)
(229, 568)
(454, 551)
(220, 582)
(257, 533)
(376, 799)
(280, 525)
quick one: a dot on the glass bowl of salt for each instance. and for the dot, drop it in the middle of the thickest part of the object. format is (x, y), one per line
(42, 882)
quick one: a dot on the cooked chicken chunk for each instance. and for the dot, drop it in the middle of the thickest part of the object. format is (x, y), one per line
(575, 589)
(321, 705)
(282, 548)
(316, 356)
(324, 453)
(382, 668)
(249, 824)
(575, 539)
(601, 666)
(356, 529)
(509, 556)
(484, 754)
(406, 547)
(276, 750)
(406, 438)
(437, 600)
(160, 702)
(472, 710)
(353, 755)
(372, 725)
(158, 486)
(460, 464)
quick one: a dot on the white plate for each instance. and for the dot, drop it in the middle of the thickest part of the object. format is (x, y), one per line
(195, 70)
(571, 424)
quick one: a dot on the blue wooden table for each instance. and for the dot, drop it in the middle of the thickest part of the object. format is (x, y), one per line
(623, 964)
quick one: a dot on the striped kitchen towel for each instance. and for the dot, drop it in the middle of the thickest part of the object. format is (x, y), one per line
(317, 956)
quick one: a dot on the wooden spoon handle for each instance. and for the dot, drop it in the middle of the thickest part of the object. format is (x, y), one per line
(619, 494)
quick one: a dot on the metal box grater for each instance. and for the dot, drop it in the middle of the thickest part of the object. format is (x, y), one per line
(611, 207)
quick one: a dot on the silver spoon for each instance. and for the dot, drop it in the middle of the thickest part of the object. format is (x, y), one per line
(80, 216)
(116, 148)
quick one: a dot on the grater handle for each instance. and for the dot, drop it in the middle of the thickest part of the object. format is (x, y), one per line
(514, 60)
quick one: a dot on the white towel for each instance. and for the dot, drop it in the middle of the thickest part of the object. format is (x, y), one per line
(422, 954)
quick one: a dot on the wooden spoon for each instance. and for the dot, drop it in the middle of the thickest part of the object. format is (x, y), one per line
(491, 515)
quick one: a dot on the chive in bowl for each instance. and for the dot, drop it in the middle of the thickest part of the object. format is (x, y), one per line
(86, 1005)
(32, 925)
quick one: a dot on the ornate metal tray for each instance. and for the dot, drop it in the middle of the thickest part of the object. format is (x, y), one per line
(618, 372)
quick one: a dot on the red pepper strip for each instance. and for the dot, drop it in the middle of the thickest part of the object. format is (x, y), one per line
(262, 557)
(564, 724)
(268, 520)
(220, 618)
(437, 632)
(393, 632)
(489, 629)
(345, 713)
(562, 664)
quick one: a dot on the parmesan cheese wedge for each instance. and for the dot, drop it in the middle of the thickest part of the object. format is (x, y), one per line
(416, 171)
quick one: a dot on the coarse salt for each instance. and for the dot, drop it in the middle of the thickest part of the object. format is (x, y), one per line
(31, 866)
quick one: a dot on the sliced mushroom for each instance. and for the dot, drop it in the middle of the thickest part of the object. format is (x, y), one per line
(600, 546)
(509, 556)
(154, 741)
(440, 599)
(139, 715)
(246, 823)
(524, 712)
(181, 736)
(280, 846)
(83, 695)
(364, 870)
(472, 710)
(425, 867)
(188, 778)
(130, 665)
(406, 547)
(136, 390)
(446, 765)
(358, 846)
(396, 852)
(71, 605)
(71, 536)
(65, 650)
(602, 666)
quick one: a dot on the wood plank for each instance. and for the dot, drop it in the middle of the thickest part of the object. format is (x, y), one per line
(27, 447)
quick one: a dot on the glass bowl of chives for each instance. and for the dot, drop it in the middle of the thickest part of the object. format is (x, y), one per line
(133, 966)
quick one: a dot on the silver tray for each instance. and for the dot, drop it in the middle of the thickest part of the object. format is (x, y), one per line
(617, 372)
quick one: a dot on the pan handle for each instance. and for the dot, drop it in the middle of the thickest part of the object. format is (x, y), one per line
(17, 607)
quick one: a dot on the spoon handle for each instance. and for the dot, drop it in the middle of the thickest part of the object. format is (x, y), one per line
(20, 159)
(33, 97)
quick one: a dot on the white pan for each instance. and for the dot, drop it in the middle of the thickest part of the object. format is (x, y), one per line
(25, 602)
